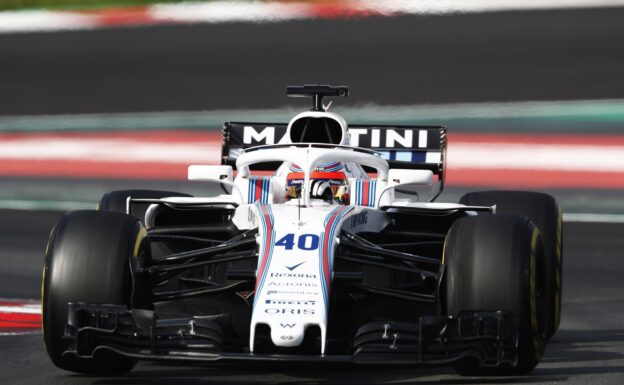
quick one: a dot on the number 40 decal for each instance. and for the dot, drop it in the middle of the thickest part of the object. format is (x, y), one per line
(304, 241)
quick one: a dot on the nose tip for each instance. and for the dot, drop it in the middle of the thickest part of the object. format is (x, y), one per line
(287, 334)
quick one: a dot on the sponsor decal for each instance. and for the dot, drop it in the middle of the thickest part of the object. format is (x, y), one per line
(276, 310)
(293, 275)
(293, 267)
(293, 292)
(266, 135)
(293, 284)
(289, 326)
(304, 241)
(388, 138)
(359, 219)
(358, 137)
(310, 302)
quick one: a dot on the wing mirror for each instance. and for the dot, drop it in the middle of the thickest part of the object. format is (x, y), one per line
(409, 177)
(211, 173)
(215, 174)
(412, 182)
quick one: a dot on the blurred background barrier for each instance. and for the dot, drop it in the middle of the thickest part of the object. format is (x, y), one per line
(529, 145)
(531, 92)
(60, 15)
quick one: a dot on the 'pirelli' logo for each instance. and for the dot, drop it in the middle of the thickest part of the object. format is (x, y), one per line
(359, 137)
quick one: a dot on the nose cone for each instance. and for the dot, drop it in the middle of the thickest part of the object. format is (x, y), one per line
(287, 334)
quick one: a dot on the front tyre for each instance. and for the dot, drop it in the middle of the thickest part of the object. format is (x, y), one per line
(541, 209)
(87, 260)
(496, 262)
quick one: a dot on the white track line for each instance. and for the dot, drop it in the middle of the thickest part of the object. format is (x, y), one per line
(433, 7)
(44, 21)
(22, 309)
(20, 333)
(535, 157)
(461, 155)
(593, 218)
(109, 150)
(23, 204)
(226, 11)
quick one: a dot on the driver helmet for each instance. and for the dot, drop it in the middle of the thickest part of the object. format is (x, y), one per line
(328, 182)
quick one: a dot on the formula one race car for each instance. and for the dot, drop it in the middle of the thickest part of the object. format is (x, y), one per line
(326, 247)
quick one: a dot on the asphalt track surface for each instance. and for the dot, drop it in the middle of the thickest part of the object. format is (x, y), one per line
(588, 348)
(545, 55)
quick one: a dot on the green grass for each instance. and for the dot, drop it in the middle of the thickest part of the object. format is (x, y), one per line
(12, 5)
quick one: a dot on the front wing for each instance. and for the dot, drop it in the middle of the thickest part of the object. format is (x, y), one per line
(488, 337)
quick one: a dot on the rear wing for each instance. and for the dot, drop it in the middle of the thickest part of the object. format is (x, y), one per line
(405, 147)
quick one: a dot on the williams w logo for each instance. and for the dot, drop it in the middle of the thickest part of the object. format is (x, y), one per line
(289, 326)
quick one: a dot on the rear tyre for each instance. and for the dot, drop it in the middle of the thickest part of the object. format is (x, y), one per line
(541, 209)
(116, 200)
(87, 260)
(495, 262)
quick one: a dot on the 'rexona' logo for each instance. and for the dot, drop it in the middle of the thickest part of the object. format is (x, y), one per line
(292, 275)
(289, 326)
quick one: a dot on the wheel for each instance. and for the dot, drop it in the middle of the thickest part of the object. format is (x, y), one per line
(543, 210)
(87, 260)
(116, 200)
(496, 262)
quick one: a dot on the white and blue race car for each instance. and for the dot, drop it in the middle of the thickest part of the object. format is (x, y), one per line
(327, 246)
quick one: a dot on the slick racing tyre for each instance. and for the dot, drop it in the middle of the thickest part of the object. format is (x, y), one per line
(87, 260)
(116, 200)
(543, 210)
(496, 262)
